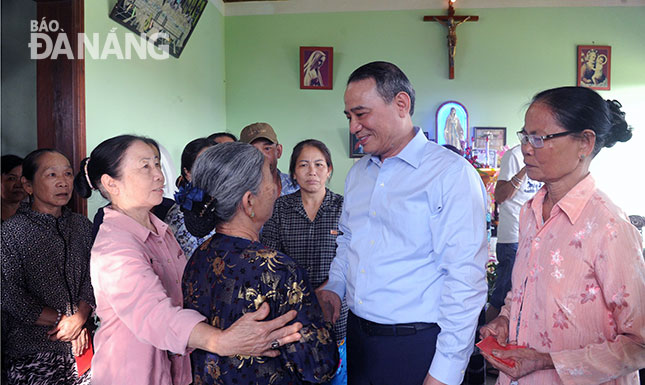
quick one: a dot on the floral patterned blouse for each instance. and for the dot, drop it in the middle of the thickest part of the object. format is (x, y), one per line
(579, 290)
(229, 276)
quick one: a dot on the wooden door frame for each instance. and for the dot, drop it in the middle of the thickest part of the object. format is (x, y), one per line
(60, 90)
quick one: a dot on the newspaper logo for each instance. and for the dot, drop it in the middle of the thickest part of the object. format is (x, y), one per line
(48, 40)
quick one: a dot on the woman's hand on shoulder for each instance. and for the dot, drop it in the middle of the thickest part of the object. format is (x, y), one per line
(250, 336)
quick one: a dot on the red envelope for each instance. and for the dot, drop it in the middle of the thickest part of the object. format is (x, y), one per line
(489, 344)
(84, 361)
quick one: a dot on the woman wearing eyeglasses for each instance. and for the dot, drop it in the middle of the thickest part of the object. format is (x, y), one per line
(578, 284)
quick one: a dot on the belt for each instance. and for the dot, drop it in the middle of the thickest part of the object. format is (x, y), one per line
(376, 329)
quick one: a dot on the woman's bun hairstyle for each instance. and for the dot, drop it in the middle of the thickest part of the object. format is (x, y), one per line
(620, 131)
(580, 108)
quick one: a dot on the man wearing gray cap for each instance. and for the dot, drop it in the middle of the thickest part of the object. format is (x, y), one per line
(263, 137)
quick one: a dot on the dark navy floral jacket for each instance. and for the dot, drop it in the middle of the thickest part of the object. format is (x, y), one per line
(227, 277)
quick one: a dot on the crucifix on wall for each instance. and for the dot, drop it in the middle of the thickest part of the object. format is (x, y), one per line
(451, 22)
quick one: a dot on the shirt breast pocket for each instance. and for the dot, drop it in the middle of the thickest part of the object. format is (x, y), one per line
(328, 244)
(411, 220)
(157, 266)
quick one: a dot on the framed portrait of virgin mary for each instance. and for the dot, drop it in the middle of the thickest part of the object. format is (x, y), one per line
(452, 125)
(594, 66)
(316, 68)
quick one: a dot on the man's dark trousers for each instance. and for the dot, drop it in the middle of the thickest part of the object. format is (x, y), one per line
(389, 355)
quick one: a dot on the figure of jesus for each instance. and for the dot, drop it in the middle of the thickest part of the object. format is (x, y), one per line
(452, 34)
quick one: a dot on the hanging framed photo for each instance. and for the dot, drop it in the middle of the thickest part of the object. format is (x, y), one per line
(496, 137)
(594, 66)
(316, 68)
(355, 149)
(164, 23)
(489, 159)
(452, 125)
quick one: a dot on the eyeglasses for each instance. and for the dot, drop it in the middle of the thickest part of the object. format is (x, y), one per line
(538, 141)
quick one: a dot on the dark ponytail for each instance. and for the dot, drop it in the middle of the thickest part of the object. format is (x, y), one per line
(81, 181)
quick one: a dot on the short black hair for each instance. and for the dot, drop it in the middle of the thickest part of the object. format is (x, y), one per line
(389, 78)
(580, 108)
(9, 162)
(190, 152)
(220, 134)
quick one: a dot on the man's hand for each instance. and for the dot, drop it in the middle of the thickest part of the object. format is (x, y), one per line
(431, 380)
(330, 304)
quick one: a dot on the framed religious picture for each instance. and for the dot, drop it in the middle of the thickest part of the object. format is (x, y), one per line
(316, 68)
(452, 125)
(165, 23)
(488, 160)
(495, 136)
(594, 66)
(355, 149)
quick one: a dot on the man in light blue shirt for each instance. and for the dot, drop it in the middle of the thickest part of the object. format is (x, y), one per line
(412, 251)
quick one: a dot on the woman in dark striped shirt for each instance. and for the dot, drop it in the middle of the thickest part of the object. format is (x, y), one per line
(304, 224)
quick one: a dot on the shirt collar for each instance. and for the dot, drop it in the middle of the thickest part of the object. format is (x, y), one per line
(25, 208)
(576, 199)
(295, 201)
(325, 205)
(572, 203)
(135, 228)
(412, 153)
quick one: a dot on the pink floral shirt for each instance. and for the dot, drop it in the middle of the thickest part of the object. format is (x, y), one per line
(136, 275)
(579, 290)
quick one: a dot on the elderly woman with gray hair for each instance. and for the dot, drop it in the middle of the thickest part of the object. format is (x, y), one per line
(232, 273)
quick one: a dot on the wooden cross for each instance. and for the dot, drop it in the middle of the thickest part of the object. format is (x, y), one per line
(451, 22)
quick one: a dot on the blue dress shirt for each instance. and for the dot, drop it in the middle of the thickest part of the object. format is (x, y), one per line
(413, 247)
